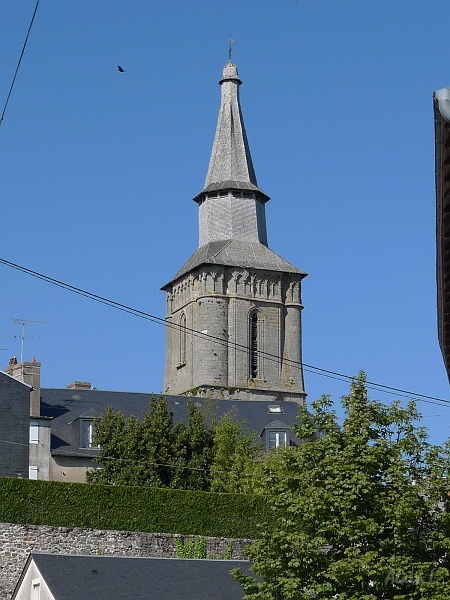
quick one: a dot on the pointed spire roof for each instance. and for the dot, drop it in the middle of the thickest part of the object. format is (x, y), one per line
(237, 253)
(231, 165)
(232, 222)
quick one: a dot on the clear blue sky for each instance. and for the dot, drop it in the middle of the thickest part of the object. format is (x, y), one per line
(98, 170)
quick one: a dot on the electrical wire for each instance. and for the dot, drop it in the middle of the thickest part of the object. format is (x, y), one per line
(224, 342)
(20, 60)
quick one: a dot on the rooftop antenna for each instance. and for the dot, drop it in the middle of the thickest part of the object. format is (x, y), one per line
(22, 336)
(230, 48)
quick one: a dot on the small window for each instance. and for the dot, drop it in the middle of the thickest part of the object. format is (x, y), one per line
(34, 432)
(35, 589)
(274, 408)
(32, 472)
(277, 439)
(87, 432)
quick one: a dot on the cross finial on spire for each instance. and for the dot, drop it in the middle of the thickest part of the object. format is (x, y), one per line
(230, 48)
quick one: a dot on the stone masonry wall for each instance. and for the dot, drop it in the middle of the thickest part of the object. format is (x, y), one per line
(217, 300)
(17, 541)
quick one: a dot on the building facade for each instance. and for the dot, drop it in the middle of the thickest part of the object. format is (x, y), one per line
(234, 308)
(33, 428)
(441, 104)
(14, 426)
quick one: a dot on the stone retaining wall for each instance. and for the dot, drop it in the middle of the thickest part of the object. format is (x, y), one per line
(17, 541)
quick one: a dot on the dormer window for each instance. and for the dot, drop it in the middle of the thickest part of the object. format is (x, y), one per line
(87, 433)
(276, 435)
(277, 439)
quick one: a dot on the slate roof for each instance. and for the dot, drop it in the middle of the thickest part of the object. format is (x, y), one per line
(68, 407)
(231, 184)
(99, 577)
(237, 253)
(231, 160)
(231, 168)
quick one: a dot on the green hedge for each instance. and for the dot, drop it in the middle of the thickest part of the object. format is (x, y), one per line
(129, 509)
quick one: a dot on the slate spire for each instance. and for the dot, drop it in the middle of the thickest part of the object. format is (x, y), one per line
(231, 175)
(230, 157)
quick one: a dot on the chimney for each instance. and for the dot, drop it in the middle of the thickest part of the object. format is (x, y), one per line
(29, 373)
(80, 385)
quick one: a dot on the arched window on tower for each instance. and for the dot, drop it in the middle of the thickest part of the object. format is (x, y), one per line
(254, 340)
(182, 334)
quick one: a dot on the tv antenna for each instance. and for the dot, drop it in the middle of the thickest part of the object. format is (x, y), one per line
(22, 336)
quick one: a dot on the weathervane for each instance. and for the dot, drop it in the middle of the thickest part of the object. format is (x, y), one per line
(229, 49)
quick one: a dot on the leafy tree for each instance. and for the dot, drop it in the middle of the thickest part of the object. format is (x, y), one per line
(158, 438)
(193, 446)
(361, 513)
(156, 452)
(134, 453)
(235, 456)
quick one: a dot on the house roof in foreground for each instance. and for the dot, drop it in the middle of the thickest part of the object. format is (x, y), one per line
(97, 577)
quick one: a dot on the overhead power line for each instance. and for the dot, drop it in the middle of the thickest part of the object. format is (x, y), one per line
(224, 342)
(20, 60)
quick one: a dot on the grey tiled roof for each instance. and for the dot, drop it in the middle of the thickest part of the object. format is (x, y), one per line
(238, 253)
(67, 408)
(230, 157)
(232, 185)
(99, 577)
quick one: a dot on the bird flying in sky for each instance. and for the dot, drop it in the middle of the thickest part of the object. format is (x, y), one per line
(120, 69)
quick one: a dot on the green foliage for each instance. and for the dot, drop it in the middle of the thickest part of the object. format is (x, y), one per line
(158, 453)
(360, 514)
(228, 554)
(129, 508)
(234, 456)
(155, 452)
(193, 447)
(194, 547)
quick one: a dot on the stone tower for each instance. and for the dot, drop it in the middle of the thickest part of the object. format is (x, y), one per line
(234, 308)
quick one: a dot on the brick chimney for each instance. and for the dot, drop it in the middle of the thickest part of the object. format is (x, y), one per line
(29, 373)
(80, 385)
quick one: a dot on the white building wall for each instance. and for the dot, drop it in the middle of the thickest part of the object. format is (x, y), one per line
(33, 586)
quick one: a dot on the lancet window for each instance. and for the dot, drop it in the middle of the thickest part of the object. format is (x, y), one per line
(182, 334)
(254, 337)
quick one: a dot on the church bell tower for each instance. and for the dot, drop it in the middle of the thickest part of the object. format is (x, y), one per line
(234, 308)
